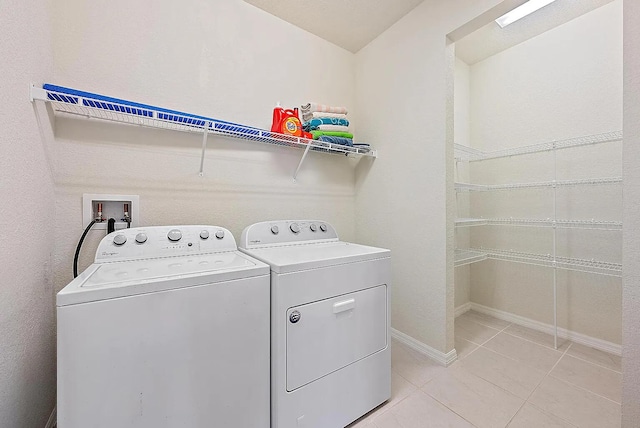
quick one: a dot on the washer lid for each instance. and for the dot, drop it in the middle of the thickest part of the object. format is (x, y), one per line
(127, 278)
(294, 258)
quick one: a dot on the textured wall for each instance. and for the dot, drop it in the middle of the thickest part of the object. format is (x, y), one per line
(562, 84)
(27, 332)
(631, 249)
(462, 127)
(401, 201)
(224, 59)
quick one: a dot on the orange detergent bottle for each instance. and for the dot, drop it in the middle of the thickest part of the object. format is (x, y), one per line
(286, 121)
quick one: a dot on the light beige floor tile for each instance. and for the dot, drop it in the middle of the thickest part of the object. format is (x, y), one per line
(420, 411)
(484, 319)
(610, 361)
(532, 354)
(472, 331)
(478, 401)
(600, 380)
(580, 407)
(511, 375)
(464, 347)
(536, 336)
(414, 367)
(362, 424)
(400, 389)
(531, 417)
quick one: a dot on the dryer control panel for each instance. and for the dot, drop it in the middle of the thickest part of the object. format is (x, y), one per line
(282, 232)
(163, 241)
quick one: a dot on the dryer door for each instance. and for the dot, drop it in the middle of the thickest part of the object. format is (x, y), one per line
(325, 336)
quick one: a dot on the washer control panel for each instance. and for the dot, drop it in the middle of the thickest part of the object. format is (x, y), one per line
(163, 241)
(287, 232)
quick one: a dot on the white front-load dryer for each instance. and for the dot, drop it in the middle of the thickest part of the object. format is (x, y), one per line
(168, 328)
(330, 349)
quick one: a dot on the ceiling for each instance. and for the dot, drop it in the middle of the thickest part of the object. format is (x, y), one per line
(350, 24)
(491, 39)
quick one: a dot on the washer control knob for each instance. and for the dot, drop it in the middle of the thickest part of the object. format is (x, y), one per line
(119, 239)
(295, 228)
(275, 230)
(141, 238)
(313, 227)
(323, 227)
(204, 234)
(220, 234)
(174, 235)
(294, 317)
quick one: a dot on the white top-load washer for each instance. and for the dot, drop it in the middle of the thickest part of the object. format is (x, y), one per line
(330, 350)
(169, 327)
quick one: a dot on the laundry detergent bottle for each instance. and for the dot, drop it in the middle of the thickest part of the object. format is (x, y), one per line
(286, 121)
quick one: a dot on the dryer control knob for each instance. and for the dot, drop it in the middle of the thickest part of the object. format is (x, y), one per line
(119, 239)
(204, 234)
(220, 234)
(313, 227)
(174, 235)
(141, 238)
(323, 227)
(275, 230)
(295, 228)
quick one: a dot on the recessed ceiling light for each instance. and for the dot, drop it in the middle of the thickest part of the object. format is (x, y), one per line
(522, 11)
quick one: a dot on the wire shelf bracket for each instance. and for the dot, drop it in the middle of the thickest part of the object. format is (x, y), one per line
(77, 103)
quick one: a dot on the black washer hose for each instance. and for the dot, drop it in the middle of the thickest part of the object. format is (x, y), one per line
(111, 225)
(75, 258)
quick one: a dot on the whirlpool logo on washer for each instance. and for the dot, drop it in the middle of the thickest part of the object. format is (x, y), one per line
(109, 253)
(254, 241)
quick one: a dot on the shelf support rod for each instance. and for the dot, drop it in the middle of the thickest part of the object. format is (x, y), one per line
(204, 147)
(304, 155)
(555, 263)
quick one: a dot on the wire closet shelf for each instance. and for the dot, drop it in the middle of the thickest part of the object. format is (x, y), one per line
(529, 222)
(465, 153)
(468, 187)
(472, 255)
(120, 111)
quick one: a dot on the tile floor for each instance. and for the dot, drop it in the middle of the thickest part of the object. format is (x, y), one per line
(506, 376)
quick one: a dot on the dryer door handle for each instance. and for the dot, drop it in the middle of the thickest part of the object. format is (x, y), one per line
(345, 305)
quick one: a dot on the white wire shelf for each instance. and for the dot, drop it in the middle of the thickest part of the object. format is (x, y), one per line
(465, 153)
(467, 222)
(547, 260)
(465, 257)
(529, 222)
(113, 110)
(469, 187)
(472, 255)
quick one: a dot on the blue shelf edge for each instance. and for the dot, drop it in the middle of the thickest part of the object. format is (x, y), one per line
(89, 99)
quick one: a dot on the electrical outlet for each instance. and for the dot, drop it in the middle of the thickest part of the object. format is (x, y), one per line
(112, 207)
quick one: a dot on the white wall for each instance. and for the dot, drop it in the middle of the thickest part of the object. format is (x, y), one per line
(631, 250)
(402, 198)
(27, 221)
(224, 59)
(562, 84)
(462, 128)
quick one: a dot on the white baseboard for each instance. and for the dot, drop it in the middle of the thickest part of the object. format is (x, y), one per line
(573, 336)
(432, 353)
(51, 423)
(462, 309)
